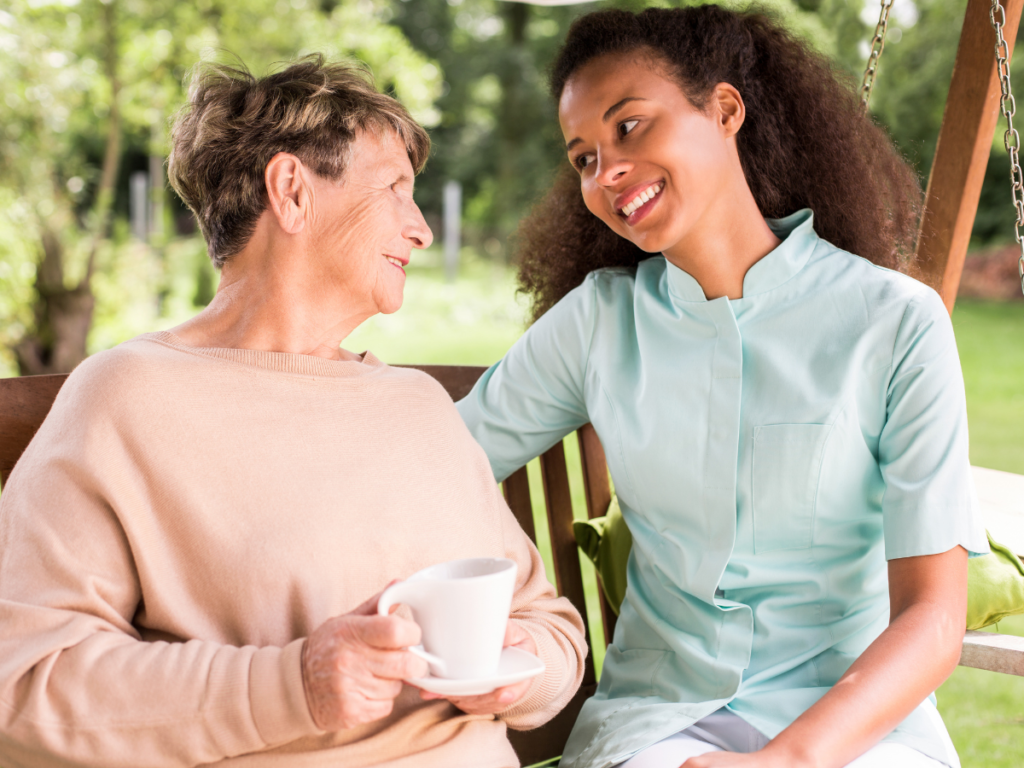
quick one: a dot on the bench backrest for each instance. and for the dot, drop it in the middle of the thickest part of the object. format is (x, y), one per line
(25, 401)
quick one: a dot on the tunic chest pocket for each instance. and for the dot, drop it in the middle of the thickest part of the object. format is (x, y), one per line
(786, 466)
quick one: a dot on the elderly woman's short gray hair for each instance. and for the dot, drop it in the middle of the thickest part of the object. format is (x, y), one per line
(235, 123)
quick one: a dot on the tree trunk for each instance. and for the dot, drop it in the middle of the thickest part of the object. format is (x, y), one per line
(516, 118)
(63, 316)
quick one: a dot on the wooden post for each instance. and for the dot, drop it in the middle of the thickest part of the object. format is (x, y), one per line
(965, 141)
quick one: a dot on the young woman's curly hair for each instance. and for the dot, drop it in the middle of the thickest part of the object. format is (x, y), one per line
(804, 143)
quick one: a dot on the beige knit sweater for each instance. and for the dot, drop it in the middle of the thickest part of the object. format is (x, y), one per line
(185, 517)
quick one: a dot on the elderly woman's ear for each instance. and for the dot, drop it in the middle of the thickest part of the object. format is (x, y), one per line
(289, 190)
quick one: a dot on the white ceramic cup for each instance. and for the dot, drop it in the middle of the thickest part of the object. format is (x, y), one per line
(462, 608)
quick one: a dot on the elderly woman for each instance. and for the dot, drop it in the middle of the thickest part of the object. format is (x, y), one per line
(192, 546)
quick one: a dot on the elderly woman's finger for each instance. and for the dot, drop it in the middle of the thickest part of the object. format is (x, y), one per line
(369, 607)
(396, 665)
(386, 632)
(516, 636)
(486, 704)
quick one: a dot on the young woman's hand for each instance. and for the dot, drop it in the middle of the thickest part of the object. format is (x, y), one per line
(501, 698)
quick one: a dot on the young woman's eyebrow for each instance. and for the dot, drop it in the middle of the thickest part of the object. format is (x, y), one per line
(608, 115)
(619, 105)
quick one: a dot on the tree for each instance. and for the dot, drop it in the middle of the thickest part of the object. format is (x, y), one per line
(88, 81)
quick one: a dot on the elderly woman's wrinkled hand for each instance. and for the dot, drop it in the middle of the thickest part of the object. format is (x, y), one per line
(353, 666)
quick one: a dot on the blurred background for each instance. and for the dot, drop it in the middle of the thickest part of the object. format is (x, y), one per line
(95, 248)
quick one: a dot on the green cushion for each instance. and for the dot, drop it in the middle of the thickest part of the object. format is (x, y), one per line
(995, 586)
(995, 582)
(607, 541)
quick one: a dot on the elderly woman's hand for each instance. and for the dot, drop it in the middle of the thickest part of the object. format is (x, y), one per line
(499, 699)
(353, 666)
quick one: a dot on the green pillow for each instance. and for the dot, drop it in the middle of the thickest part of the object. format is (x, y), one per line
(995, 586)
(607, 541)
(995, 582)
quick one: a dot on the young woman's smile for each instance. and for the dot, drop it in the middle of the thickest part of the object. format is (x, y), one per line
(635, 203)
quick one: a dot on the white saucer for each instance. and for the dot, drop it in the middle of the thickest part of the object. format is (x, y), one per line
(515, 665)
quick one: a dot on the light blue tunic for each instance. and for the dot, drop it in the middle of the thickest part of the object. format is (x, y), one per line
(770, 453)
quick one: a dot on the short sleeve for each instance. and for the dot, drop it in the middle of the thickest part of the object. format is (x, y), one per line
(930, 505)
(534, 396)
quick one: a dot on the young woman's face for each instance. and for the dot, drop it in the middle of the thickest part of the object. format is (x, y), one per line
(651, 165)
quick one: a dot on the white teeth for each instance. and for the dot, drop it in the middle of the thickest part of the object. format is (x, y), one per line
(642, 198)
(393, 260)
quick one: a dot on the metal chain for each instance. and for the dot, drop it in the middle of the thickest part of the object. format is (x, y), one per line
(877, 44)
(1011, 139)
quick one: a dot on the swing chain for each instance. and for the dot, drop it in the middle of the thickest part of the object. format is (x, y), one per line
(1011, 139)
(877, 44)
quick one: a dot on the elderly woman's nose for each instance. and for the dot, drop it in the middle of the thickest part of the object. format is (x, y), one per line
(416, 229)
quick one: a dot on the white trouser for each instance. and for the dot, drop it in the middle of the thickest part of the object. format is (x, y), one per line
(724, 731)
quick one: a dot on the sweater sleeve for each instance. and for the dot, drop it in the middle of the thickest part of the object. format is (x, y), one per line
(78, 683)
(555, 626)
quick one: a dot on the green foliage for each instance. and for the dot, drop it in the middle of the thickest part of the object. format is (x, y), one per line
(498, 132)
(473, 71)
(55, 119)
(17, 268)
(910, 97)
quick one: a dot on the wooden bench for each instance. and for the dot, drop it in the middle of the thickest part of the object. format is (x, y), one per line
(24, 403)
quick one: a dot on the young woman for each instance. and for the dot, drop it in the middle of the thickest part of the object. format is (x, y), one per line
(782, 409)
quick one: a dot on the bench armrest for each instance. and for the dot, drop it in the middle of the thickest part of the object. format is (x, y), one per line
(994, 652)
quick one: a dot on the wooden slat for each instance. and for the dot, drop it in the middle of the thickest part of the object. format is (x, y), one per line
(599, 495)
(961, 156)
(24, 403)
(456, 379)
(517, 496)
(568, 576)
(996, 653)
(595, 471)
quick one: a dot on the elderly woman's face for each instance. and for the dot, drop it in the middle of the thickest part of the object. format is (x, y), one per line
(365, 226)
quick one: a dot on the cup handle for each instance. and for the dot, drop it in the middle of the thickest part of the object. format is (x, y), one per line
(392, 596)
(434, 661)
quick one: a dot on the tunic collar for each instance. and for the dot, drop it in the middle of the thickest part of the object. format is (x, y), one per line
(798, 240)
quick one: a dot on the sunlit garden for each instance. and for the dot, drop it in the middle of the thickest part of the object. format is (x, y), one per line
(96, 247)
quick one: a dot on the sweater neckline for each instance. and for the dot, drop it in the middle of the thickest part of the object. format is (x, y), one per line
(284, 362)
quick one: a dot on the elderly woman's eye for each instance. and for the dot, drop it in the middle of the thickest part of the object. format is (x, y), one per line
(627, 126)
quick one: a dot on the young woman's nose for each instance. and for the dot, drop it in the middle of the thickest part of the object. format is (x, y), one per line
(611, 167)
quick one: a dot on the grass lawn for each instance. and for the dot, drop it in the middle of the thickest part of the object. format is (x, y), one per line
(990, 338)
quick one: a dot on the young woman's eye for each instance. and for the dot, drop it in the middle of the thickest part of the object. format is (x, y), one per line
(627, 126)
(583, 161)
